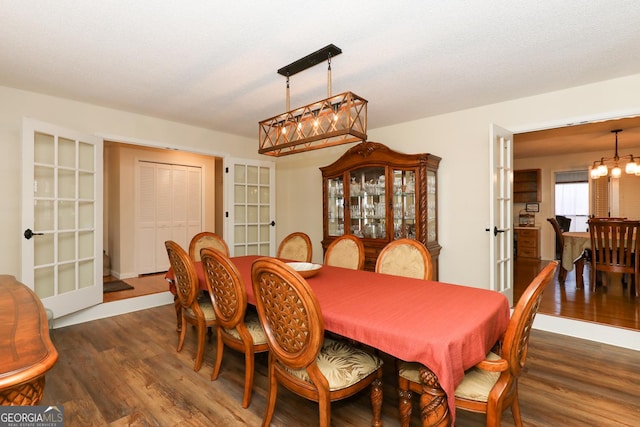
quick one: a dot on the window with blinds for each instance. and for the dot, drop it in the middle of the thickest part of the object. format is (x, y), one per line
(572, 197)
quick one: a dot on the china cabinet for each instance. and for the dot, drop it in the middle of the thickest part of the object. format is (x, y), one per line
(381, 195)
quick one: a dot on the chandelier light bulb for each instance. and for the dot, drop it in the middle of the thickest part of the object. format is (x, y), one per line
(603, 170)
(631, 168)
(616, 171)
(594, 173)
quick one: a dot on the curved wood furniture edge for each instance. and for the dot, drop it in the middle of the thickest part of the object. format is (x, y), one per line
(26, 350)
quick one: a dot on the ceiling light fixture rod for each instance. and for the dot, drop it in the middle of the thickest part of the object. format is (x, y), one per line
(310, 60)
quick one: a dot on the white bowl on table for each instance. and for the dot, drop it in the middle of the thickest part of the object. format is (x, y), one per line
(305, 269)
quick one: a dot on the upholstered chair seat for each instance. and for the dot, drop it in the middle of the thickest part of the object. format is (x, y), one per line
(341, 364)
(254, 327)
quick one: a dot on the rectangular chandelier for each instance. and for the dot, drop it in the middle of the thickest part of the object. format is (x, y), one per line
(338, 119)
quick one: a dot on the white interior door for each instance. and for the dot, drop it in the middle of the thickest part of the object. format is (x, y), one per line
(250, 207)
(62, 216)
(501, 211)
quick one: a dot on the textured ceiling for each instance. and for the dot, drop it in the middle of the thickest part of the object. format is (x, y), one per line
(213, 64)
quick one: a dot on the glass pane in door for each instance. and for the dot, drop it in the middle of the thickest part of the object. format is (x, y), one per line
(404, 204)
(335, 206)
(367, 207)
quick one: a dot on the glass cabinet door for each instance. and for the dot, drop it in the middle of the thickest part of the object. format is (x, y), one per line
(335, 206)
(432, 233)
(367, 206)
(404, 204)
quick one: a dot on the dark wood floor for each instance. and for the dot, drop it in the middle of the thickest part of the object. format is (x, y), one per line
(124, 370)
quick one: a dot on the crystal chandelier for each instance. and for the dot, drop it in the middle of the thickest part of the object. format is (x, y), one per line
(600, 168)
(338, 119)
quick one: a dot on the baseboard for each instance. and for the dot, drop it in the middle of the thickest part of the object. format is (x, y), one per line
(114, 308)
(611, 335)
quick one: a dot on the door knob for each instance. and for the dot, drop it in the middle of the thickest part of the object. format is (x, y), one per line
(29, 234)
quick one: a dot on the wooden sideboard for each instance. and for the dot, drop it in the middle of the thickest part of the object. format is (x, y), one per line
(26, 350)
(528, 242)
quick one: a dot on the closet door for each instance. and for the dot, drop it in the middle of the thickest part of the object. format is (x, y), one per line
(169, 207)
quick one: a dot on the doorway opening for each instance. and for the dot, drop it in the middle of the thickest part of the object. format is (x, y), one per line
(119, 217)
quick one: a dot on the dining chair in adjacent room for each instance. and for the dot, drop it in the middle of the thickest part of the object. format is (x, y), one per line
(206, 239)
(238, 328)
(346, 251)
(405, 257)
(295, 247)
(196, 308)
(300, 357)
(491, 386)
(614, 249)
(562, 274)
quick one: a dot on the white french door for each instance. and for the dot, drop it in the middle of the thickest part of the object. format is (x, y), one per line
(501, 211)
(62, 216)
(250, 191)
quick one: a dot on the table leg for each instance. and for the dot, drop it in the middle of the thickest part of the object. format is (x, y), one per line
(579, 267)
(434, 408)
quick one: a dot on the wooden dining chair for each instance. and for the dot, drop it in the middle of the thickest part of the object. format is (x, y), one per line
(346, 251)
(614, 249)
(237, 329)
(491, 386)
(206, 239)
(407, 258)
(295, 247)
(196, 309)
(562, 273)
(300, 358)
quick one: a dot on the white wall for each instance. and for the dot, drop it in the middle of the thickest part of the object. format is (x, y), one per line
(14, 104)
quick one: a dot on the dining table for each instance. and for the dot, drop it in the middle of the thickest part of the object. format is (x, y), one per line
(575, 244)
(448, 328)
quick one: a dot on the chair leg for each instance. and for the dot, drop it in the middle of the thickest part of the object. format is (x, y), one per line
(202, 331)
(376, 400)
(324, 410)
(183, 332)
(272, 394)
(248, 376)
(219, 352)
(515, 410)
(405, 404)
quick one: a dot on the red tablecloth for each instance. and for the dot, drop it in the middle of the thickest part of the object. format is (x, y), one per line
(449, 328)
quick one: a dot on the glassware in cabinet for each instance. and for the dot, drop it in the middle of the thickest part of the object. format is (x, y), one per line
(404, 204)
(367, 202)
(335, 206)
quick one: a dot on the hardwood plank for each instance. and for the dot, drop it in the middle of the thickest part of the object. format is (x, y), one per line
(125, 370)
